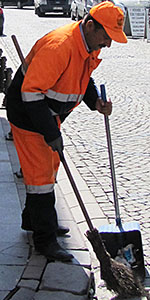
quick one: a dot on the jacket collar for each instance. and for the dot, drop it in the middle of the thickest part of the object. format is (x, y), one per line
(81, 43)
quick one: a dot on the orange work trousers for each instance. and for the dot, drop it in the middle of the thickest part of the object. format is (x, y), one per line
(39, 163)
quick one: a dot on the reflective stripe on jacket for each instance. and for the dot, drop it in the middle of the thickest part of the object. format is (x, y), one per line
(59, 67)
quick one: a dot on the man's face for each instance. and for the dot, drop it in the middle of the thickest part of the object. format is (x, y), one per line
(96, 38)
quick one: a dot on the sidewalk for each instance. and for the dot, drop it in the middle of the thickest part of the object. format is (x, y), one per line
(25, 275)
(22, 270)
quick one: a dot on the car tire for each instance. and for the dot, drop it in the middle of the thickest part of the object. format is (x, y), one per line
(19, 5)
(38, 12)
(72, 16)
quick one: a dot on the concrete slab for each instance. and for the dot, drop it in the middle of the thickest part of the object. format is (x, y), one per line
(14, 254)
(73, 239)
(71, 243)
(4, 246)
(23, 294)
(32, 272)
(62, 210)
(3, 153)
(3, 294)
(37, 260)
(71, 200)
(9, 193)
(44, 295)
(81, 258)
(30, 284)
(12, 233)
(6, 172)
(64, 277)
(9, 276)
(7, 215)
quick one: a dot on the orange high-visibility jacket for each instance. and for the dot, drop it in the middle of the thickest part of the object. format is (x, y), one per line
(59, 70)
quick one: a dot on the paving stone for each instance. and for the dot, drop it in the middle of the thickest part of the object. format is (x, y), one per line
(3, 153)
(14, 255)
(3, 294)
(78, 180)
(30, 284)
(10, 217)
(12, 233)
(6, 172)
(9, 193)
(23, 294)
(71, 243)
(71, 200)
(45, 295)
(74, 239)
(81, 258)
(78, 215)
(9, 276)
(33, 272)
(89, 150)
(62, 210)
(37, 260)
(65, 277)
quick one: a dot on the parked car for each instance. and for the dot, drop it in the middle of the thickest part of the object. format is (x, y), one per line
(133, 3)
(46, 6)
(1, 21)
(18, 3)
(79, 8)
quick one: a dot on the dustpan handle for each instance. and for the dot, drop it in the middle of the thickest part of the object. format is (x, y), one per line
(111, 160)
(72, 182)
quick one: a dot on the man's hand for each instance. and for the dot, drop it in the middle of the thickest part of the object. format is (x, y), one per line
(57, 145)
(104, 107)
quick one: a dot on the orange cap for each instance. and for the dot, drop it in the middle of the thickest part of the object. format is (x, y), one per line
(111, 17)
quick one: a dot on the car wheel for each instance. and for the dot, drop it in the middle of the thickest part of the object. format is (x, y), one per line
(38, 12)
(72, 16)
(19, 5)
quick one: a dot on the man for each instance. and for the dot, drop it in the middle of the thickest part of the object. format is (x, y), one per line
(57, 79)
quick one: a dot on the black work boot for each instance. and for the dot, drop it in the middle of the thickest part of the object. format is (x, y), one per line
(53, 251)
(26, 225)
(61, 230)
(26, 221)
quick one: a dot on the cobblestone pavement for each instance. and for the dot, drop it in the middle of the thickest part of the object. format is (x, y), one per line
(125, 71)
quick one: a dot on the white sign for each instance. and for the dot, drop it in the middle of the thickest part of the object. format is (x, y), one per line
(137, 21)
(148, 23)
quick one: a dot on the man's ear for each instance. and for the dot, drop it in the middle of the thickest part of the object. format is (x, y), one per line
(90, 25)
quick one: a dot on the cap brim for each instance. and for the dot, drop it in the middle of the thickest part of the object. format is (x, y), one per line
(116, 36)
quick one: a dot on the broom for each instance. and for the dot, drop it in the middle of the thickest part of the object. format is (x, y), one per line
(117, 276)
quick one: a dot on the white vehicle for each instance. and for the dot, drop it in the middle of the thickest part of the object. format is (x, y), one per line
(46, 6)
(132, 3)
(79, 8)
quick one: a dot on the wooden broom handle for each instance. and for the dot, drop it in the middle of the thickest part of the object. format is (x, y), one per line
(25, 66)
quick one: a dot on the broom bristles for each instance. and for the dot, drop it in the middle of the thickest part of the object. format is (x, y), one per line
(117, 276)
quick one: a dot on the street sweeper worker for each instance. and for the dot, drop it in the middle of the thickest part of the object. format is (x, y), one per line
(57, 79)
